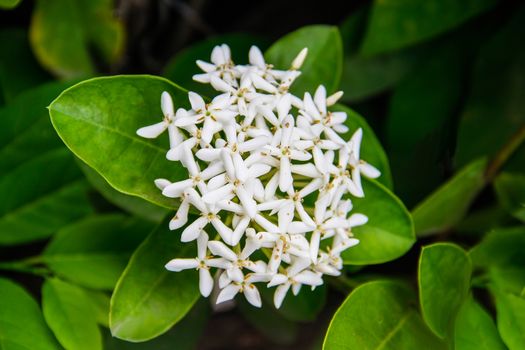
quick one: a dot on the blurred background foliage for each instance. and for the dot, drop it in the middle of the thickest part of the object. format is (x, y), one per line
(441, 82)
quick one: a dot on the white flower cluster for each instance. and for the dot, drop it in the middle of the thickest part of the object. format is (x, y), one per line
(269, 174)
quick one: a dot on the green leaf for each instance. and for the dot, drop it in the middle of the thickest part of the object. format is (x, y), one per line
(475, 329)
(21, 323)
(98, 119)
(444, 281)
(510, 189)
(364, 76)
(371, 149)
(395, 24)
(511, 319)
(501, 247)
(18, 68)
(41, 196)
(39, 179)
(304, 307)
(182, 67)
(26, 131)
(67, 43)
(444, 208)
(186, 335)
(148, 299)
(270, 323)
(323, 64)
(100, 305)
(9, 4)
(133, 205)
(419, 143)
(389, 232)
(94, 252)
(69, 314)
(379, 315)
(497, 99)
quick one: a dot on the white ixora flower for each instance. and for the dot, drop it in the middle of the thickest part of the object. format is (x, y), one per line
(270, 175)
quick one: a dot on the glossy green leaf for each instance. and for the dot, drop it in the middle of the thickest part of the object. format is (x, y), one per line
(447, 205)
(389, 232)
(371, 149)
(497, 99)
(98, 119)
(182, 67)
(67, 43)
(511, 319)
(510, 189)
(475, 329)
(148, 299)
(70, 316)
(9, 4)
(41, 196)
(501, 247)
(18, 68)
(186, 335)
(395, 24)
(379, 315)
(132, 204)
(94, 252)
(21, 323)
(323, 64)
(444, 282)
(417, 143)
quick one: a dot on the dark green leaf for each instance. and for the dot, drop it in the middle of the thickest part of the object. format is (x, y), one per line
(65, 39)
(270, 323)
(304, 307)
(497, 100)
(70, 315)
(18, 68)
(501, 247)
(41, 196)
(475, 329)
(21, 323)
(444, 282)
(94, 252)
(444, 208)
(98, 120)
(364, 77)
(511, 319)
(510, 189)
(186, 335)
(324, 62)
(132, 204)
(26, 131)
(182, 67)
(371, 149)
(419, 122)
(379, 315)
(148, 299)
(395, 24)
(389, 232)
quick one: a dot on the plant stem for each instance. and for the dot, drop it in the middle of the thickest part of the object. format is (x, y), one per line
(504, 153)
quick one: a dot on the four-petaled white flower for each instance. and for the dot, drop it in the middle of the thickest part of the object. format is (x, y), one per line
(269, 174)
